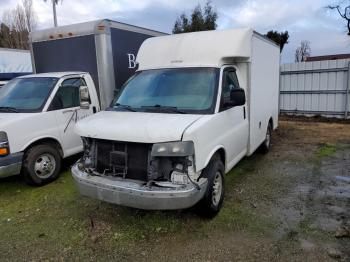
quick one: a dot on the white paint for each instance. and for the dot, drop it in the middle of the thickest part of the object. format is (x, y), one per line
(136, 126)
(206, 48)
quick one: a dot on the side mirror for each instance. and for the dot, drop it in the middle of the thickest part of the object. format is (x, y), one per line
(237, 97)
(84, 97)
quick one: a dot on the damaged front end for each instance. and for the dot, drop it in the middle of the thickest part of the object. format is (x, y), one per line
(141, 175)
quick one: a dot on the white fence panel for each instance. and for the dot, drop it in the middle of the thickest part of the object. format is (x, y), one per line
(316, 88)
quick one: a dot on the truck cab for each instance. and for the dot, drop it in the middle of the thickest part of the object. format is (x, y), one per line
(197, 105)
(37, 118)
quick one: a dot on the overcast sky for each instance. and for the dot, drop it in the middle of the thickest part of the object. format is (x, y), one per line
(304, 19)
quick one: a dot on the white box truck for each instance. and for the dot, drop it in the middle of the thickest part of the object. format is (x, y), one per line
(38, 112)
(198, 103)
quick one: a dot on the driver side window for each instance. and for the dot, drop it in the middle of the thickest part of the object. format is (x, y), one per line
(67, 95)
(229, 82)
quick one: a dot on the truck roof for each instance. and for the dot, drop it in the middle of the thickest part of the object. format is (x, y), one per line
(201, 49)
(54, 74)
(87, 28)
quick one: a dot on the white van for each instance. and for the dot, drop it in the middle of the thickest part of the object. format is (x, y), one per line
(198, 104)
(37, 118)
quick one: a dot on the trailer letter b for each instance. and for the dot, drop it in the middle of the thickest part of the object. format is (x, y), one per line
(132, 62)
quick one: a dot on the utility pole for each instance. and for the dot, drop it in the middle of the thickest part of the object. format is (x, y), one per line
(54, 2)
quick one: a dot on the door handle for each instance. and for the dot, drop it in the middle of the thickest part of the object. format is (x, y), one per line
(244, 116)
(68, 111)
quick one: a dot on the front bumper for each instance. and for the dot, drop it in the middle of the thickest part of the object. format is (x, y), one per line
(11, 165)
(135, 194)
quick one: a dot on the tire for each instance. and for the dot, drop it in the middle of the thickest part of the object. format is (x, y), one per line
(41, 165)
(265, 146)
(212, 201)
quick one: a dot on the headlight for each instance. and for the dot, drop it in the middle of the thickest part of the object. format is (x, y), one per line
(181, 148)
(4, 144)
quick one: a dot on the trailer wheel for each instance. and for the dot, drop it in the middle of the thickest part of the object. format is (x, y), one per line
(265, 146)
(41, 165)
(212, 201)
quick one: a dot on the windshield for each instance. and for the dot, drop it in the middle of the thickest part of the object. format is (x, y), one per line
(185, 90)
(26, 94)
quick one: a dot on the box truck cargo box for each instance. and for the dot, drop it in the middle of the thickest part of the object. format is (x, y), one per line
(197, 105)
(106, 49)
(13, 63)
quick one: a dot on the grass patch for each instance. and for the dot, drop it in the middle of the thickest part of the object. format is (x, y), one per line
(325, 150)
(70, 225)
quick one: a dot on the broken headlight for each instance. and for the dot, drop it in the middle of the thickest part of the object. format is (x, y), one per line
(173, 149)
(87, 159)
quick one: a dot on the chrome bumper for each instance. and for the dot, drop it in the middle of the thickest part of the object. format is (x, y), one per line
(135, 194)
(10, 165)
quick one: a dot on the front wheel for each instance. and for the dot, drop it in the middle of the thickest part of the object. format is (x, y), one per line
(42, 164)
(212, 201)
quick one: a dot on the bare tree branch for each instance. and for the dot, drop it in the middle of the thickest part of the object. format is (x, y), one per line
(345, 15)
(303, 51)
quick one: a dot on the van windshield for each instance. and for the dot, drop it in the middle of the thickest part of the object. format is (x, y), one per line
(178, 90)
(26, 94)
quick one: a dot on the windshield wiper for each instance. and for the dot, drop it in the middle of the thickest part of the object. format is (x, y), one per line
(8, 109)
(127, 107)
(169, 109)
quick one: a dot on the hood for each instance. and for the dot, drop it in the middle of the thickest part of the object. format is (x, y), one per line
(7, 119)
(137, 127)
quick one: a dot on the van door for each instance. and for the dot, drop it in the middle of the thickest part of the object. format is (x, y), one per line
(235, 120)
(66, 104)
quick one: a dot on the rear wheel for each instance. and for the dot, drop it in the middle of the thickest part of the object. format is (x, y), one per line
(265, 146)
(42, 164)
(212, 201)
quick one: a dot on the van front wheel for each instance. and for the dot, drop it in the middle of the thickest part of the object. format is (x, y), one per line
(212, 201)
(41, 165)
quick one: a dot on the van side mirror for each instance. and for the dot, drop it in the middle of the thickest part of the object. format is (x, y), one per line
(84, 97)
(237, 97)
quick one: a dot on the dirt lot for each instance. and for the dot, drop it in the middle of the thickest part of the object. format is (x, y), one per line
(292, 204)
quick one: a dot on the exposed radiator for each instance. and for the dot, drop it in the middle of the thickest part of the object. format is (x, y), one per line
(126, 159)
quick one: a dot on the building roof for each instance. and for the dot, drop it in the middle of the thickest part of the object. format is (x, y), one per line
(327, 57)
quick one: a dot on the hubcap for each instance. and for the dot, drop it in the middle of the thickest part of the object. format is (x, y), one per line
(217, 188)
(45, 165)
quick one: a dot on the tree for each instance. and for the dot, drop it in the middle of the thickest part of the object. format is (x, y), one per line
(303, 51)
(200, 20)
(30, 15)
(54, 3)
(280, 38)
(16, 25)
(344, 13)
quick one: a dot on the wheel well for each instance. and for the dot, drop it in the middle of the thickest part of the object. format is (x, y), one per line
(271, 122)
(46, 141)
(220, 154)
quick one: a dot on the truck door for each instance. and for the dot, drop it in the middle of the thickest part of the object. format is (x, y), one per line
(66, 105)
(235, 122)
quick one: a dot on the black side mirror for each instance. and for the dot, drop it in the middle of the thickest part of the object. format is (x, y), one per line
(237, 97)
